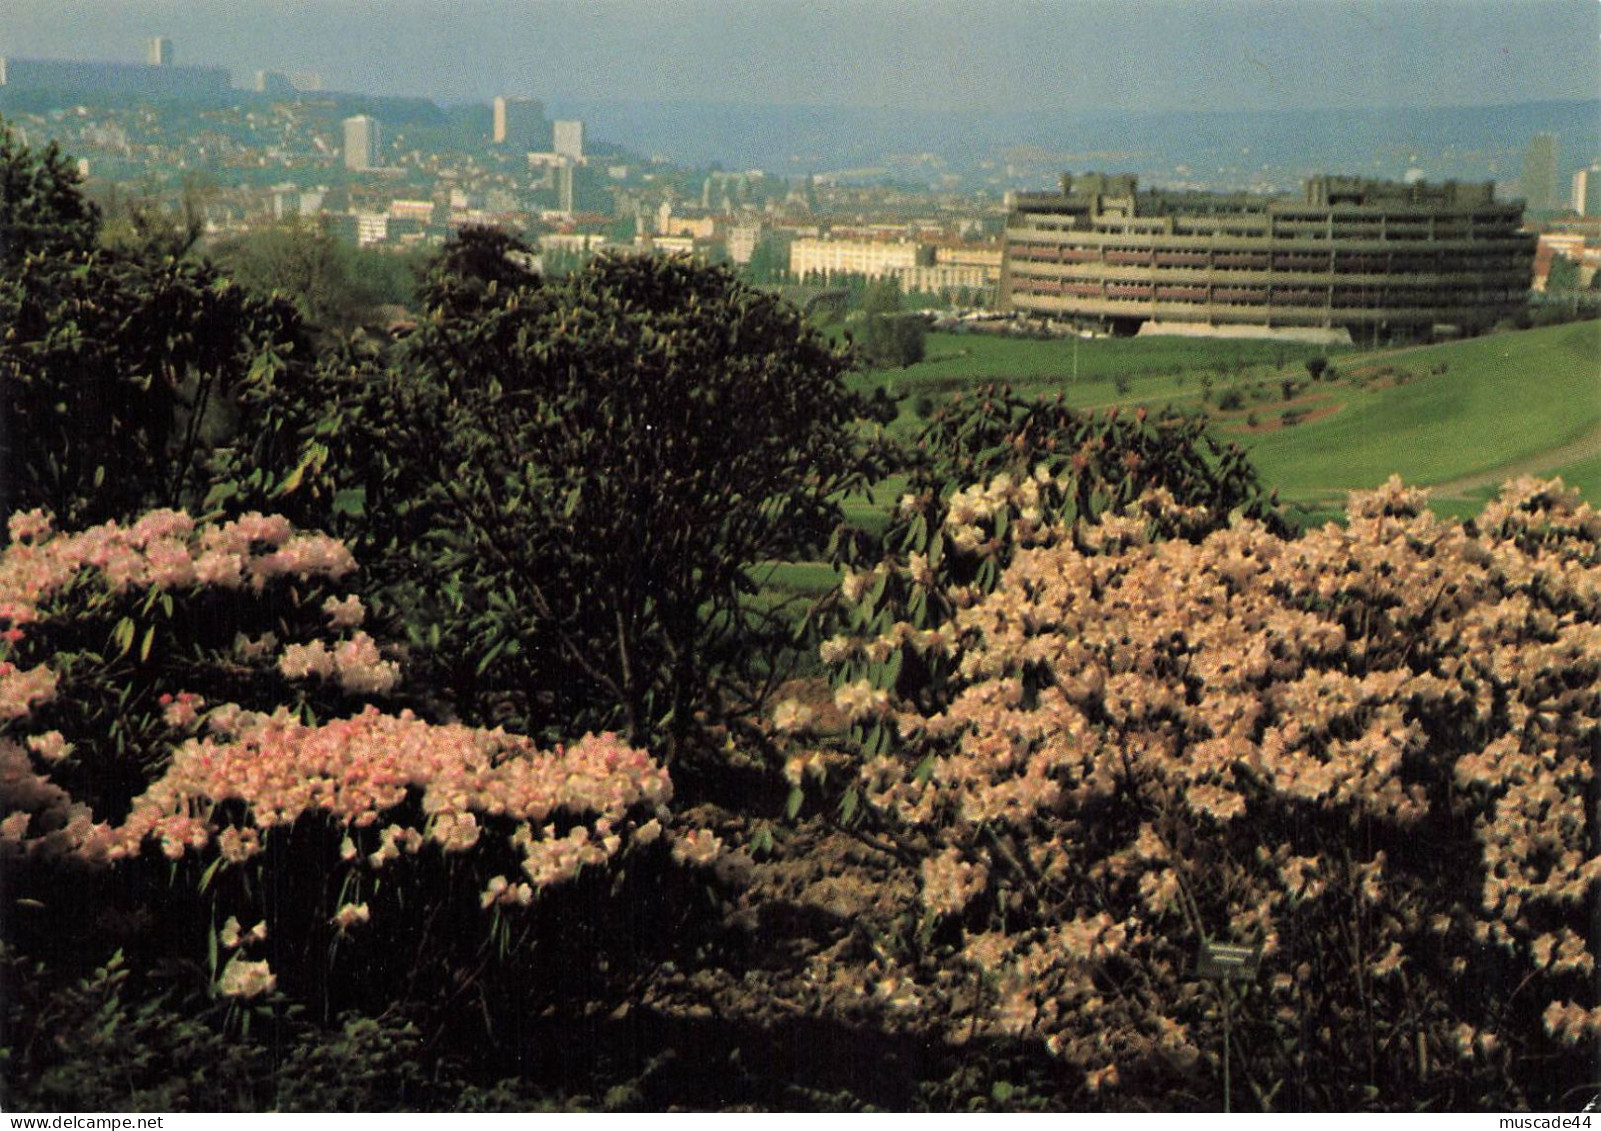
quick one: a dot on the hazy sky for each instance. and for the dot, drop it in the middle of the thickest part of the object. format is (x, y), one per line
(975, 54)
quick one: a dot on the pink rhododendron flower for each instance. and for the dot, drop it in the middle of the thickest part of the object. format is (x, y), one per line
(21, 691)
(51, 746)
(347, 612)
(183, 709)
(349, 915)
(244, 979)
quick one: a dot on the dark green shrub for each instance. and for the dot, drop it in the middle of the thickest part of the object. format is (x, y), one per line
(564, 486)
(116, 369)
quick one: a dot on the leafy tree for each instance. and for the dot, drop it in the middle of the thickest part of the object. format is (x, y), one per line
(140, 225)
(769, 262)
(302, 261)
(1563, 275)
(113, 364)
(41, 207)
(567, 485)
(475, 272)
(891, 338)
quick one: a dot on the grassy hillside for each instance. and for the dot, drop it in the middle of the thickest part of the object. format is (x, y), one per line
(1463, 416)
(1460, 417)
(1089, 373)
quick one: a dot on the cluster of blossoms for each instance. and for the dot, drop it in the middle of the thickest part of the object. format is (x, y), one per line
(241, 977)
(1380, 734)
(21, 690)
(162, 550)
(971, 513)
(228, 775)
(355, 665)
(354, 771)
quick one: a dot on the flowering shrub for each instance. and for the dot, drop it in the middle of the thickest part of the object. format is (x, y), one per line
(1032, 468)
(1369, 751)
(113, 640)
(128, 761)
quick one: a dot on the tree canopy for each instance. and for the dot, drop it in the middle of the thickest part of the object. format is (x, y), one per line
(580, 475)
(114, 364)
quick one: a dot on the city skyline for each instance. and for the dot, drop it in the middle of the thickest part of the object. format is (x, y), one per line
(982, 55)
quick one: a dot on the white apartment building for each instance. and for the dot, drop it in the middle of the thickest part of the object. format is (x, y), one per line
(421, 211)
(742, 241)
(371, 228)
(567, 139)
(872, 258)
(363, 143)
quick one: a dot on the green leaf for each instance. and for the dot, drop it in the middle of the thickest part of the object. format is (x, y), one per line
(892, 668)
(122, 635)
(490, 656)
(793, 805)
(144, 645)
(351, 501)
(848, 805)
(206, 876)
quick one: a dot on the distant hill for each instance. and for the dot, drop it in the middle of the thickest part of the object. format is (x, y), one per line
(1466, 143)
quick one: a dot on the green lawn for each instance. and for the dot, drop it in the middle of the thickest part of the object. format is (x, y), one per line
(1485, 408)
(1472, 408)
(1024, 361)
(1585, 475)
(1152, 371)
(1501, 402)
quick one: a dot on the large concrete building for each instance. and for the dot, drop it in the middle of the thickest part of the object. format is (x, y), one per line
(1586, 196)
(915, 266)
(1376, 259)
(872, 258)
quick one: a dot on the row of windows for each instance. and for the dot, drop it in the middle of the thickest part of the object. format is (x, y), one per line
(1345, 298)
(1362, 284)
(1351, 262)
(1340, 233)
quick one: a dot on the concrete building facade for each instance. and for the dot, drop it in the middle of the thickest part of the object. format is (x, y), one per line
(1378, 259)
(363, 143)
(872, 258)
(567, 139)
(115, 80)
(1586, 198)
